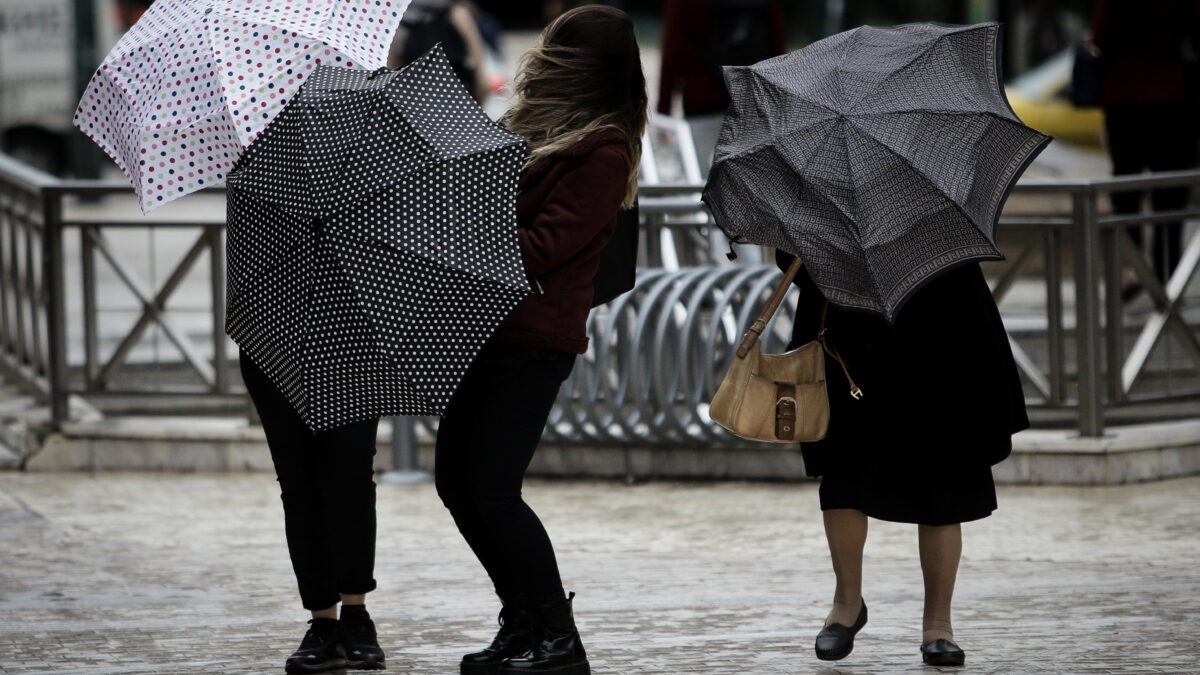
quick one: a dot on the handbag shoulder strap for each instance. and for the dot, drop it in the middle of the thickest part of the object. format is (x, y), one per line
(832, 351)
(760, 324)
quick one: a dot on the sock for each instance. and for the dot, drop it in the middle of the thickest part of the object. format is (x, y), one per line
(355, 612)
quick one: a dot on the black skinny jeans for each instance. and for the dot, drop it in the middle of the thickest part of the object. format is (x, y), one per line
(328, 489)
(484, 444)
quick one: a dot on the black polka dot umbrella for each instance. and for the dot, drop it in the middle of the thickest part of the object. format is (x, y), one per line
(372, 241)
(880, 156)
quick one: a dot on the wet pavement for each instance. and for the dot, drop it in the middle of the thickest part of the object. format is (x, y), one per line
(188, 573)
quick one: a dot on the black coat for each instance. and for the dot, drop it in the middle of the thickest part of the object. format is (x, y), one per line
(940, 385)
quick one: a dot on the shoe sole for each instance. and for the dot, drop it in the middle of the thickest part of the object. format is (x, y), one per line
(944, 660)
(304, 669)
(365, 665)
(478, 669)
(573, 669)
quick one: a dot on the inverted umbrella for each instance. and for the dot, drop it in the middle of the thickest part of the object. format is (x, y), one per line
(373, 243)
(880, 156)
(194, 81)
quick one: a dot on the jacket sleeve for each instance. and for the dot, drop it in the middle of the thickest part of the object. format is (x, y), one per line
(579, 206)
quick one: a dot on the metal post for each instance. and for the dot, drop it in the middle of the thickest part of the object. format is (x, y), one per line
(216, 264)
(1054, 318)
(54, 275)
(1087, 313)
(91, 310)
(1114, 338)
(405, 469)
(85, 154)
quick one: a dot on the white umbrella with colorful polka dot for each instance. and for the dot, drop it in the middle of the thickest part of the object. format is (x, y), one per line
(196, 81)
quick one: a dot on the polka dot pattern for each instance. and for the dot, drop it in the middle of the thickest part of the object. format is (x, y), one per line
(373, 242)
(195, 81)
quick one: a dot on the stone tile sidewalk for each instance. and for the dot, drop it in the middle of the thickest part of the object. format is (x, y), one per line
(169, 573)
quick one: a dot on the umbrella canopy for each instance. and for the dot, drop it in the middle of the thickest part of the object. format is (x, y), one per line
(879, 156)
(194, 81)
(373, 242)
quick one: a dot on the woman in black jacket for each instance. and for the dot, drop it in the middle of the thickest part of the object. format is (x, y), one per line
(582, 105)
(941, 400)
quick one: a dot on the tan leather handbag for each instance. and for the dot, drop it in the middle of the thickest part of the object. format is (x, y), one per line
(777, 398)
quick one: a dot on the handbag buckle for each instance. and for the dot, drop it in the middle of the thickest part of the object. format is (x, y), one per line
(784, 399)
(855, 392)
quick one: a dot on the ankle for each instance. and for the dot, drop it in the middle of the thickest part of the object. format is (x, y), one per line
(844, 611)
(936, 629)
(938, 634)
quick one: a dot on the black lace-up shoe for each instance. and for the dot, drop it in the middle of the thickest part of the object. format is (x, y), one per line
(514, 638)
(319, 651)
(557, 648)
(358, 639)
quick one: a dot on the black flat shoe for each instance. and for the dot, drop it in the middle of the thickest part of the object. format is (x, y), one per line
(835, 641)
(942, 653)
(319, 651)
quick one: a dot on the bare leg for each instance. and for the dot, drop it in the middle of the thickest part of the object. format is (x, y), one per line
(329, 612)
(941, 548)
(356, 599)
(846, 530)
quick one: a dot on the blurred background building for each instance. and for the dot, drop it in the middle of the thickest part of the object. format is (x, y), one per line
(49, 48)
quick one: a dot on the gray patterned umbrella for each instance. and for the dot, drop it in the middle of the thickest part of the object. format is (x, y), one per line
(880, 156)
(373, 242)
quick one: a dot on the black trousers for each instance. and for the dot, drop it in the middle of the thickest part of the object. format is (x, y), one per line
(1154, 138)
(327, 485)
(484, 444)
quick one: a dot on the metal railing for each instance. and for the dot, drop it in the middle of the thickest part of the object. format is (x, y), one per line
(657, 353)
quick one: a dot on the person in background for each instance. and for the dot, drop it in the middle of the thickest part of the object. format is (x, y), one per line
(1150, 114)
(450, 23)
(700, 36)
(581, 103)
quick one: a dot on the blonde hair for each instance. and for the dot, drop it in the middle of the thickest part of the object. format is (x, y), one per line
(584, 75)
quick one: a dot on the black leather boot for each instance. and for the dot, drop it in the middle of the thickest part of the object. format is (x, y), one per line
(514, 638)
(359, 640)
(557, 649)
(319, 651)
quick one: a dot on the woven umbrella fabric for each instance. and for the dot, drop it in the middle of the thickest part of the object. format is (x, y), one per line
(880, 156)
(195, 81)
(372, 242)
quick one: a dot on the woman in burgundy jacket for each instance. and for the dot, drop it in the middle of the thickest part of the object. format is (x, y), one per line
(582, 105)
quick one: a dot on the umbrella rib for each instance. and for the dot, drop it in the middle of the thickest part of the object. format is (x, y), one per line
(928, 48)
(854, 224)
(419, 254)
(770, 143)
(922, 177)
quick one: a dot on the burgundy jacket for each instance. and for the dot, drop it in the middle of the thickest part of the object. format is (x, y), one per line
(1141, 44)
(566, 212)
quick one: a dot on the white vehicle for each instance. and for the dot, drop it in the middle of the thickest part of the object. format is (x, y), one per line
(39, 83)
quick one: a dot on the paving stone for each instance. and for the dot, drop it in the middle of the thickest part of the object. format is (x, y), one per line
(181, 574)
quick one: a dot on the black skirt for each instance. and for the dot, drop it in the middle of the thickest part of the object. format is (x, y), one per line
(942, 398)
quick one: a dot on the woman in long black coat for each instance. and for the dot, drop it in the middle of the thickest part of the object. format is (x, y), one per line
(941, 400)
